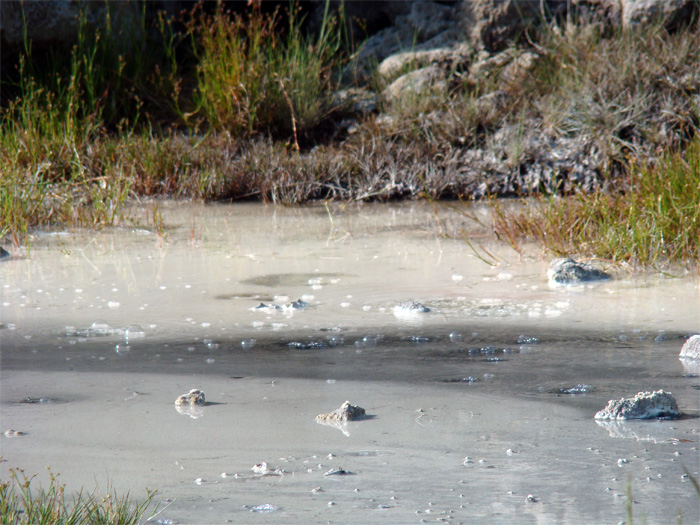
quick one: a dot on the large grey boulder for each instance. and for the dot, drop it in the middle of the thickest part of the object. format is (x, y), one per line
(419, 82)
(510, 68)
(424, 71)
(451, 57)
(491, 24)
(428, 25)
(667, 12)
(645, 405)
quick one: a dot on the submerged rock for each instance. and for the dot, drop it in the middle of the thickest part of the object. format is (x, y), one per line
(340, 471)
(574, 390)
(264, 470)
(294, 305)
(311, 345)
(346, 412)
(691, 348)
(566, 271)
(193, 397)
(410, 309)
(645, 405)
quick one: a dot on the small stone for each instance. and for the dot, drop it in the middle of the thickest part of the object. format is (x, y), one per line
(261, 468)
(14, 433)
(193, 398)
(645, 405)
(346, 412)
(340, 471)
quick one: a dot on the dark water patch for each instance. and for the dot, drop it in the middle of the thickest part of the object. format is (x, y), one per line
(293, 279)
(251, 295)
(494, 359)
(370, 453)
(309, 345)
(562, 359)
(527, 340)
(580, 389)
(467, 380)
(43, 400)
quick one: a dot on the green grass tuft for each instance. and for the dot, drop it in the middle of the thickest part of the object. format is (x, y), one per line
(251, 78)
(653, 220)
(21, 504)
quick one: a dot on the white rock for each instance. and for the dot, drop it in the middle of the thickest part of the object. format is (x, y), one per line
(346, 412)
(645, 405)
(691, 348)
(192, 398)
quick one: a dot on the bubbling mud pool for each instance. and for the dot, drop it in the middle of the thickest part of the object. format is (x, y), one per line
(479, 410)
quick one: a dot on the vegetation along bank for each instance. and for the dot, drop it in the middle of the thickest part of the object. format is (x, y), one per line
(591, 106)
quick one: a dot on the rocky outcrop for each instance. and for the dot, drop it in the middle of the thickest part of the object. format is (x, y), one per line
(346, 412)
(645, 405)
(419, 82)
(492, 23)
(667, 12)
(566, 271)
(355, 101)
(427, 26)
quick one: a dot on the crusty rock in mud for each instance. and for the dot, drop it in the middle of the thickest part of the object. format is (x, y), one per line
(295, 305)
(645, 405)
(346, 412)
(567, 271)
(691, 348)
(192, 398)
(410, 308)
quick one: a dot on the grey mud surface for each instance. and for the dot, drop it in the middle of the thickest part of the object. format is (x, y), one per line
(465, 412)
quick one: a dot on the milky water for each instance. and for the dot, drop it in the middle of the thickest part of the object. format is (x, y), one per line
(486, 399)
